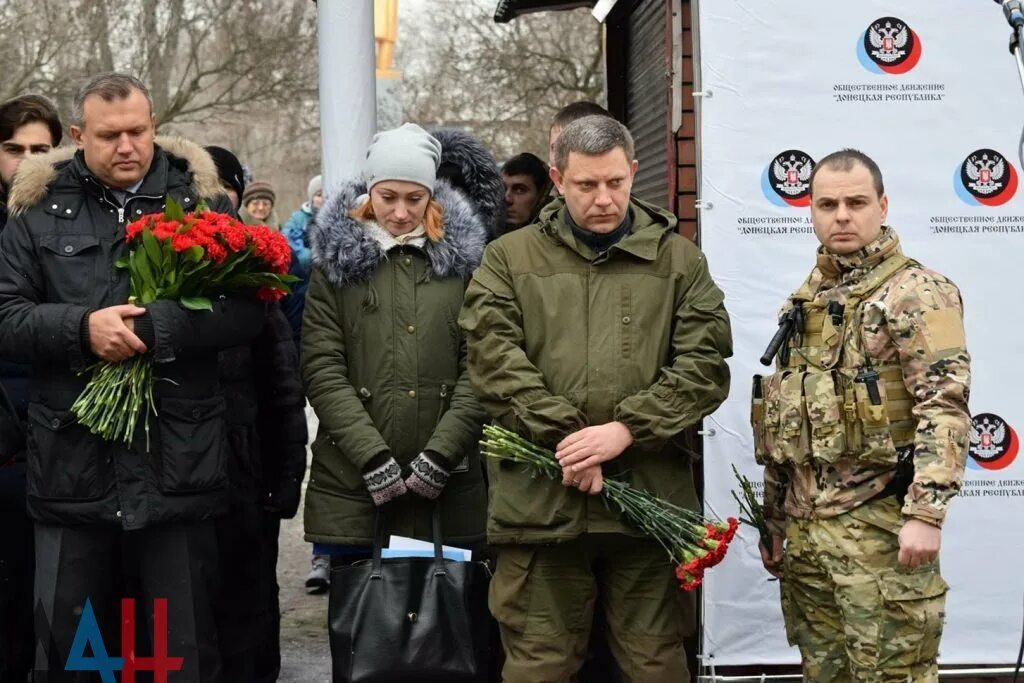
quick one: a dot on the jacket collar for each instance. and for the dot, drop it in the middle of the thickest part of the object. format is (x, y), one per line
(832, 265)
(61, 171)
(650, 225)
(347, 253)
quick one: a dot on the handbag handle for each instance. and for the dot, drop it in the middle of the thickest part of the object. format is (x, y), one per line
(378, 542)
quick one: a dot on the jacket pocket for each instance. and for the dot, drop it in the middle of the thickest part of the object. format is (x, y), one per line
(69, 264)
(64, 459)
(521, 499)
(787, 432)
(757, 419)
(193, 444)
(824, 412)
(876, 444)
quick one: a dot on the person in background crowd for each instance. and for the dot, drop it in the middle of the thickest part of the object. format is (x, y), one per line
(383, 361)
(565, 116)
(601, 335)
(467, 166)
(862, 502)
(104, 510)
(294, 305)
(29, 125)
(267, 437)
(231, 174)
(526, 189)
(258, 205)
(295, 228)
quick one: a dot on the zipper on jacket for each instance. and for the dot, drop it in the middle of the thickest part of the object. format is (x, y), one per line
(120, 209)
(441, 407)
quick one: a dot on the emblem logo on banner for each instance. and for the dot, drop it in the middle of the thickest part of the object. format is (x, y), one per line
(985, 177)
(786, 180)
(994, 443)
(889, 46)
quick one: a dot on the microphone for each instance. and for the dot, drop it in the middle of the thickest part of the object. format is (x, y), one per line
(1013, 10)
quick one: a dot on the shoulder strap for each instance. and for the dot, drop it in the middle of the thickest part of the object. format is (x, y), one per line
(876, 277)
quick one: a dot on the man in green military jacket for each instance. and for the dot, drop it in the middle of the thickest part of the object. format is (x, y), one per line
(598, 332)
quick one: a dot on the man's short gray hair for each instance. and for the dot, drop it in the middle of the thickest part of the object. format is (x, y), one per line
(109, 87)
(592, 135)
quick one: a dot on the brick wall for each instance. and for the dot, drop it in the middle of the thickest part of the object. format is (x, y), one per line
(685, 138)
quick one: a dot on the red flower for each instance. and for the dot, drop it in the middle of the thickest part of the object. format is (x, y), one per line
(269, 294)
(689, 580)
(182, 243)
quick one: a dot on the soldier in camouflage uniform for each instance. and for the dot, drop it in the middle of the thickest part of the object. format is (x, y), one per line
(863, 431)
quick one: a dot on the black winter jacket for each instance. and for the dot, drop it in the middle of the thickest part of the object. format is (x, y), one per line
(266, 418)
(57, 256)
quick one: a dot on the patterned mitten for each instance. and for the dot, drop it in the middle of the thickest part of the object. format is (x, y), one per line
(383, 477)
(429, 474)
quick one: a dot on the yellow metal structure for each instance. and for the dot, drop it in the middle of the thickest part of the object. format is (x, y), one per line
(385, 30)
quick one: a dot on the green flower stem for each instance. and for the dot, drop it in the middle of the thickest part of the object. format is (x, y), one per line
(117, 395)
(681, 532)
(751, 510)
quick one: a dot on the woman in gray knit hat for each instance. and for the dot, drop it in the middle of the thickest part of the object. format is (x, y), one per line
(384, 359)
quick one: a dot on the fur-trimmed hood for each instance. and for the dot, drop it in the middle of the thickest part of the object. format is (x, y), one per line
(347, 253)
(37, 173)
(484, 186)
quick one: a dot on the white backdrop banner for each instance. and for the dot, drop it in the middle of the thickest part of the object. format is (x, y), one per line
(929, 91)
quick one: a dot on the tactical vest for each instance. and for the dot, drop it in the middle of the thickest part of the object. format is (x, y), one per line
(828, 400)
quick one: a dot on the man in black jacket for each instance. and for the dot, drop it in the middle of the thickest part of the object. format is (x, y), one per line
(29, 125)
(105, 510)
(267, 432)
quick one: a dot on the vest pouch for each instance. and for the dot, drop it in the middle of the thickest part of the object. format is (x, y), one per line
(876, 444)
(757, 419)
(792, 438)
(823, 396)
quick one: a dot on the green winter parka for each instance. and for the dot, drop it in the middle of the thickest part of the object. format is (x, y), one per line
(384, 364)
(561, 338)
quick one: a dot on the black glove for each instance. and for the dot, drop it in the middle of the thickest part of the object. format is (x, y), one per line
(430, 472)
(383, 476)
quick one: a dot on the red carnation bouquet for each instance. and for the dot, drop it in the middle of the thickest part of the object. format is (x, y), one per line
(190, 258)
(694, 543)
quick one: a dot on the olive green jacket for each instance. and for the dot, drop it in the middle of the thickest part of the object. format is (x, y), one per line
(384, 364)
(561, 338)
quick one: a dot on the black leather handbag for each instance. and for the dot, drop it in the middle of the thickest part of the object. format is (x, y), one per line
(408, 619)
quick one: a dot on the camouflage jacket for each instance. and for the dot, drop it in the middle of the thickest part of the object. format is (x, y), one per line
(913, 321)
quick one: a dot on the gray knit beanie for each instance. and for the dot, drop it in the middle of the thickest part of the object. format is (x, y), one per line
(316, 184)
(407, 153)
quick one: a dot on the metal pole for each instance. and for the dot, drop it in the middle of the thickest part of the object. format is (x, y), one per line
(348, 88)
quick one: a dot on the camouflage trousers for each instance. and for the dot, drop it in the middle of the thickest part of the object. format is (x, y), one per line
(856, 614)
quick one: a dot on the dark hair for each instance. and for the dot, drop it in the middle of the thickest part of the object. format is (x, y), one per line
(528, 164)
(575, 111)
(845, 160)
(108, 87)
(17, 112)
(592, 135)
